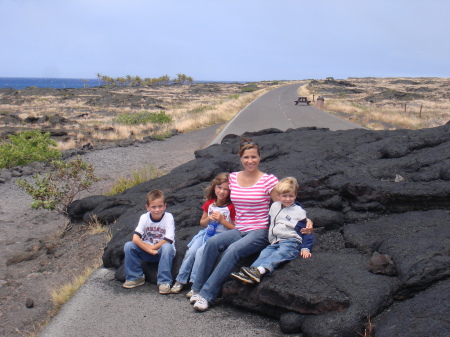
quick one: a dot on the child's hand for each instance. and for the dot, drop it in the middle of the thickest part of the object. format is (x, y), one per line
(305, 253)
(153, 252)
(216, 216)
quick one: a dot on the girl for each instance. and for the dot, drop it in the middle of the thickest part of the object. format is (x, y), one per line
(218, 208)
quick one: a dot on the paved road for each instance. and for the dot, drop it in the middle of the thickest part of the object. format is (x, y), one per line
(101, 307)
(277, 109)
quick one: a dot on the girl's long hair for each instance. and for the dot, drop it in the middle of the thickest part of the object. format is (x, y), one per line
(219, 179)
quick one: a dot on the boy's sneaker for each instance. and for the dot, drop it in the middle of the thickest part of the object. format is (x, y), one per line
(201, 304)
(194, 298)
(164, 288)
(176, 288)
(253, 273)
(190, 293)
(134, 284)
(242, 277)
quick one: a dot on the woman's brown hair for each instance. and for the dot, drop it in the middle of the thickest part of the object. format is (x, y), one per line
(247, 144)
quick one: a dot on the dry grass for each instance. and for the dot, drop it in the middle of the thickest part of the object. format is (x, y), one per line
(65, 292)
(191, 107)
(386, 103)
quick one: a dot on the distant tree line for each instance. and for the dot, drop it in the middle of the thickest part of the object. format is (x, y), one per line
(136, 81)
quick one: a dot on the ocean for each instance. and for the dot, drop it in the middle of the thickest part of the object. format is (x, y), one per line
(63, 83)
(56, 83)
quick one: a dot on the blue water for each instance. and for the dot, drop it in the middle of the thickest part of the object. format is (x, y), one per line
(57, 83)
(60, 83)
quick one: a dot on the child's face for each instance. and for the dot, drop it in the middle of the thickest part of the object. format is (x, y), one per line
(222, 191)
(157, 208)
(287, 199)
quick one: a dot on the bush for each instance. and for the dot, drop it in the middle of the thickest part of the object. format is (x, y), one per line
(26, 147)
(57, 189)
(143, 118)
(250, 88)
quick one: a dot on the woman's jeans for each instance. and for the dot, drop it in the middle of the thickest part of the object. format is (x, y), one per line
(276, 253)
(235, 245)
(191, 260)
(134, 255)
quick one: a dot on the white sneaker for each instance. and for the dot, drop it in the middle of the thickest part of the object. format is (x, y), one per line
(190, 293)
(201, 304)
(194, 298)
(176, 288)
(164, 288)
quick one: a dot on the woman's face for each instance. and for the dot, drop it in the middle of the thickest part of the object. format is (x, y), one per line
(250, 160)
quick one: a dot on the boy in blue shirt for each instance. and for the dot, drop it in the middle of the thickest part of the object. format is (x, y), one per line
(286, 234)
(153, 241)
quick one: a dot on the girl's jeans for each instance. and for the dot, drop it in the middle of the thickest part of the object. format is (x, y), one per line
(191, 260)
(235, 245)
(134, 255)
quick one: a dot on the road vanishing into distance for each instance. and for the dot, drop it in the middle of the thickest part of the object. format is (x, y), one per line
(276, 109)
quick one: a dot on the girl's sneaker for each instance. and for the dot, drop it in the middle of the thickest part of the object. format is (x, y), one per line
(190, 293)
(201, 304)
(194, 298)
(176, 288)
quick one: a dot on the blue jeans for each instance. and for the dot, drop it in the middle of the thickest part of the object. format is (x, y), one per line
(134, 255)
(234, 245)
(276, 253)
(191, 259)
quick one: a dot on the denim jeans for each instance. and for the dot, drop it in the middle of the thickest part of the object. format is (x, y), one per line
(276, 253)
(191, 260)
(234, 245)
(134, 255)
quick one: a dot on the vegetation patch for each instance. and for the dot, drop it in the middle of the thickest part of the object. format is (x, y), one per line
(26, 147)
(143, 117)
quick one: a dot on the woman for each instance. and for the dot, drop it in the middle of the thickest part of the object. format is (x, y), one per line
(251, 191)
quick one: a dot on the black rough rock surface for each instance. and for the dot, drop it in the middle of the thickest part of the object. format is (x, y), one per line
(368, 192)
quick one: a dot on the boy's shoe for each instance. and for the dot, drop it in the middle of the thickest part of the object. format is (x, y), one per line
(201, 304)
(190, 293)
(164, 288)
(176, 288)
(253, 273)
(134, 284)
(194, 298)
(242, 277)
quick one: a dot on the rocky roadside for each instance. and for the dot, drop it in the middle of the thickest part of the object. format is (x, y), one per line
(38, 255)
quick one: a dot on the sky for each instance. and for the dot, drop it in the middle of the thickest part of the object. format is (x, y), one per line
(211, 40)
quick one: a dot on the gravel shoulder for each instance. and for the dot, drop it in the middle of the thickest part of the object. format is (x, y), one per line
(38, 256)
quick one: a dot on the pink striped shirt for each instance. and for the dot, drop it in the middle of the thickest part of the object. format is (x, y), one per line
(252, 203)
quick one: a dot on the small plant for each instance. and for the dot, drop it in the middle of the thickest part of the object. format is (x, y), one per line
(234, 96)
(148, 172)
(26, 147)
(250, 88)
(143, 118)
(368, 329)
(202, 108)
(57, 189)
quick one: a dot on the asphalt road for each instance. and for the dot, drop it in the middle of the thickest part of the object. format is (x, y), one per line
(101, 307)
(277, 109)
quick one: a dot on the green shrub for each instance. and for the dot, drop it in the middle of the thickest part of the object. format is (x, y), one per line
(58, 188)
(202, 108)
(234, 96)
(148, 172)
(250, 88)
(26, 147)
(143, 118)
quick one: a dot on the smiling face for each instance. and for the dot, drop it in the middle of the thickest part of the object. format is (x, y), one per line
(250, 160)
(222, 191)
(157, 208)
(287, 199)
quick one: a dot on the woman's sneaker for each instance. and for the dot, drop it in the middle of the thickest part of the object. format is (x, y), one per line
(201, 304)
(176, 288)
(253, 273)
(242, 277)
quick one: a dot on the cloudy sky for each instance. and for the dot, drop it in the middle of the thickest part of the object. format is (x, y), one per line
(244, 40)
